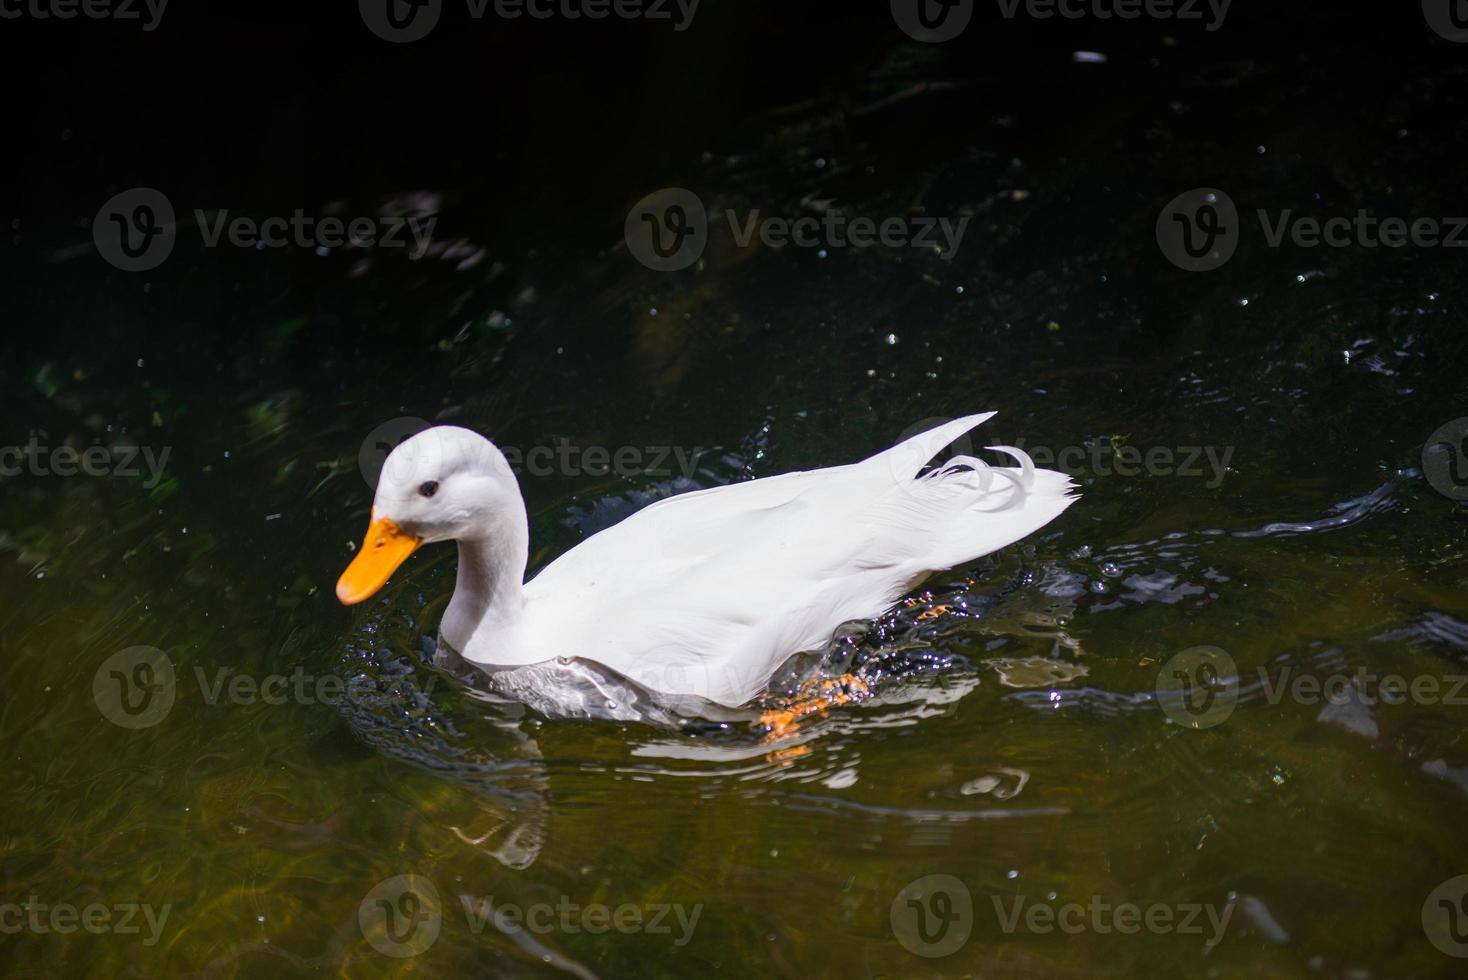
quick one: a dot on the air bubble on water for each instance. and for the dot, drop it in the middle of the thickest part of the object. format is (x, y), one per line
(821, 254)
(611, 705)
(1083, 552)
(1012, 874)
(1099, 587)
(1110, 569)
(891, 340)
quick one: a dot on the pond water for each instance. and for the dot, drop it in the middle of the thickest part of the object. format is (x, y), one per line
(1158, 738)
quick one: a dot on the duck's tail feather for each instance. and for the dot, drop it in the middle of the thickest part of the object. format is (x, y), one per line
(906, 459)
(964, 508)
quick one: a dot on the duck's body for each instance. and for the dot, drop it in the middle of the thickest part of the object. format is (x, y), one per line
(706, 593)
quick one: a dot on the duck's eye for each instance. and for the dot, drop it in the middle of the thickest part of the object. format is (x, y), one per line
(429, 489)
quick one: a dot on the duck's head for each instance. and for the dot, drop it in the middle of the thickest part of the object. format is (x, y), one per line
(443, 484)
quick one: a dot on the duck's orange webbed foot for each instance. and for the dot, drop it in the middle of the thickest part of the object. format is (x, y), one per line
(814, 697)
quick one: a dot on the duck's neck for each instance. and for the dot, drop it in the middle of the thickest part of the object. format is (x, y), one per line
(489, 594)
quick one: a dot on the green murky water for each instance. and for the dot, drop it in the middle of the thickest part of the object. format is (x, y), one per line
(1018, 744)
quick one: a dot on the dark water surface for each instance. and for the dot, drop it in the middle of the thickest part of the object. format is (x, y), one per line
(1018, 742)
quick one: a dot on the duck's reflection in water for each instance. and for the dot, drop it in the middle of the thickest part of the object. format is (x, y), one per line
(401, 707)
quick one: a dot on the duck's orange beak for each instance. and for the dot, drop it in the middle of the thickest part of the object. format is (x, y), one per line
(386, 547)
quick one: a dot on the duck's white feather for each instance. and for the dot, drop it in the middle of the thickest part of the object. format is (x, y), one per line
(708, 592)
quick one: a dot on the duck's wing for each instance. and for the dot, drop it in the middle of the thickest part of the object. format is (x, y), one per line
(707, 592)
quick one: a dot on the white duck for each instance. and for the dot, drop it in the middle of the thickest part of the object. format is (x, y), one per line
(704, 593)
